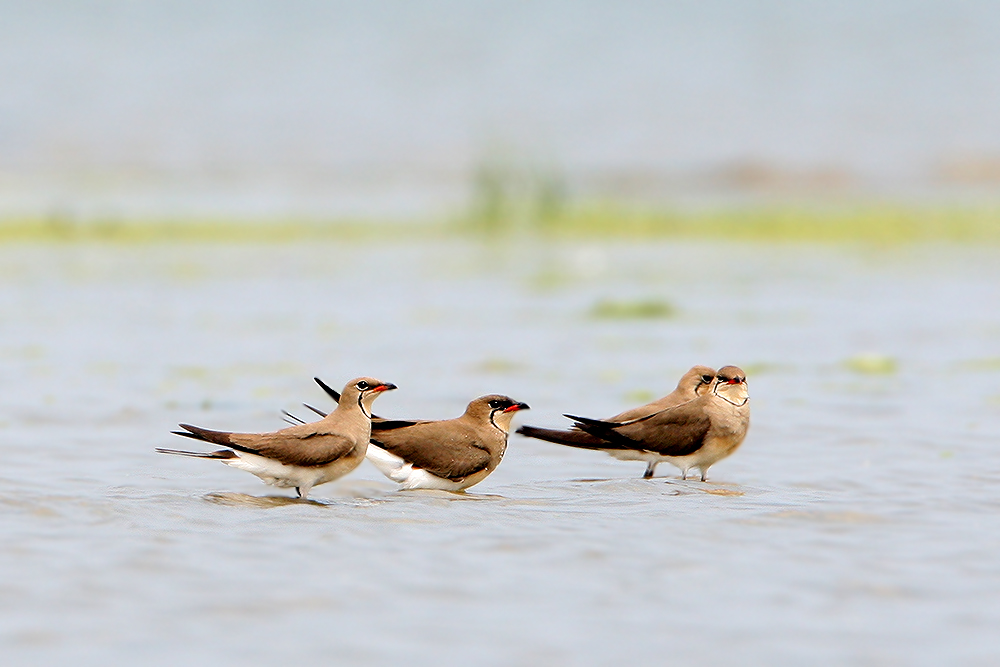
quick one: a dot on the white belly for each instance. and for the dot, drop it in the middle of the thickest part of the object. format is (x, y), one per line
(409, 477)
(291, 476)
(713, 451)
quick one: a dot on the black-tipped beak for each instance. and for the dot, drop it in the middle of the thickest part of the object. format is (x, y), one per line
(388, 386)
(517, 406)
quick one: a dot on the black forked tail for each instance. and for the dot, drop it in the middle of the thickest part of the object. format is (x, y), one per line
(207, 435)
(572, 438)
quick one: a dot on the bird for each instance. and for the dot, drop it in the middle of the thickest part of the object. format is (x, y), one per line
(695, 382)
(304, 455)
(694, 434)
(450, 454)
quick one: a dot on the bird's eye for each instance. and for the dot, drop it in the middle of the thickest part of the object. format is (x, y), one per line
(495, 403)
(362, 385)
(706, 378)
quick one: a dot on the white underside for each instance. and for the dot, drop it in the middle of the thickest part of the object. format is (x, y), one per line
(292, 476)
(409, 477)
(682, 463)
(702, 459)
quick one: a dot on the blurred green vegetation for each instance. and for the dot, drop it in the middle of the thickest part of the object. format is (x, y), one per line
(990, 364)
(872, 364)
(496, 211)
(639, 396)
(644, 309)
(208, 230)
(880, 223)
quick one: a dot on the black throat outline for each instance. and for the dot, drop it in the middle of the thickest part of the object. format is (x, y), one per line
(495, 425)
(715, 390)
(362, 406)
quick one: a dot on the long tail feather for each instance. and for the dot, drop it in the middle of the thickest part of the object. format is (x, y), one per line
(330, 391)
(587, 421)
(198, 433)
(574, 438)
(316, 410)
(605, 430)
(292, 419)
(193, 436)
(221, 454)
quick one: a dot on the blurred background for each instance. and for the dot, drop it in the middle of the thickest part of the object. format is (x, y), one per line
(205, 204)
(410, 111)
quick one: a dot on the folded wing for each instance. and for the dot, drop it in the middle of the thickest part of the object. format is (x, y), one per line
(446, 448)
(302, 445)
(676, 431)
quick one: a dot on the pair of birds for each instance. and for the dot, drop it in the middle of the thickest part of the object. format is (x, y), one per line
(450, 455)
(701, 422)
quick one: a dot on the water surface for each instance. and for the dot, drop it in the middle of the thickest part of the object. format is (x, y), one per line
(857, 524)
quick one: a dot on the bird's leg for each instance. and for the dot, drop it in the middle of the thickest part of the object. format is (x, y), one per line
(703, 475)
(298, 492)
(650, 467)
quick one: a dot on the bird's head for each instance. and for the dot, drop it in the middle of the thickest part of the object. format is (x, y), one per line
(495, 408)
(731, 385)
(696, 381)
(364, 391)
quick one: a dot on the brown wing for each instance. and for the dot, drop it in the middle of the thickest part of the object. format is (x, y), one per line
(677, 431)
(668, 401)
(302, 445)
(448, 449)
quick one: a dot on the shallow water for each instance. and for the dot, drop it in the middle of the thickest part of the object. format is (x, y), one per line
(858, 523)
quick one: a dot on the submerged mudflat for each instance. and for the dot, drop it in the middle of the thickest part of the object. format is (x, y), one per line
(858, 523)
